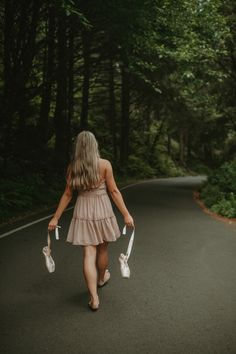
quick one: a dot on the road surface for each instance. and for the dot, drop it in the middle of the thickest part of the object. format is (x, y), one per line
(181, 297)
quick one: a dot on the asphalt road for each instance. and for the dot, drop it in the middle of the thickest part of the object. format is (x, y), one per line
(181, 297)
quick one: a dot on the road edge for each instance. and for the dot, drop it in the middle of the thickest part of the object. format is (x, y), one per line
(199, 201)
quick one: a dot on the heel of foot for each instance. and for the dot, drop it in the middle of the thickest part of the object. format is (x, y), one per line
(106, 278)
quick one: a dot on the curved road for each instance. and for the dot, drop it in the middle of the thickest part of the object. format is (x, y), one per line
(181, 297)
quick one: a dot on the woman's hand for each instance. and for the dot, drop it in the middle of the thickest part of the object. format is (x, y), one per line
(129, 220)
(52, 224)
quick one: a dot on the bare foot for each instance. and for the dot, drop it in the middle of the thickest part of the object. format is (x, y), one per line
(94, 303)
(107, 276)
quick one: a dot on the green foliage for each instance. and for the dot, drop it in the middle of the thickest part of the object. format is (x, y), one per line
(219, 193)
(139, 167)
(70, 8)
(226, 206)
(165, 166)
(225, 177)
(211, 194)
(230, 145)
(24, 194)
(198, 167)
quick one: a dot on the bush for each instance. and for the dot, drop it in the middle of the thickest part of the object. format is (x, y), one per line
(198, 167)
(139, 168)
(226, 206)
(225, 177)
(22, 194)
(219, 193)
(167, 166)
(211, 194)
(162, 165)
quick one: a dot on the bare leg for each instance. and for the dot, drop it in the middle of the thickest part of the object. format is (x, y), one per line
(90, 272)
(102, 260)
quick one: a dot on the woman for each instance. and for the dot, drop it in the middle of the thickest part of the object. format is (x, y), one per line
(94, 224)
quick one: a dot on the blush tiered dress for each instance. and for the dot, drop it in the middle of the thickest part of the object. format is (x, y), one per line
(93, 220)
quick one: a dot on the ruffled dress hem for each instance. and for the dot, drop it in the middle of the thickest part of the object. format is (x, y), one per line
(97, 229)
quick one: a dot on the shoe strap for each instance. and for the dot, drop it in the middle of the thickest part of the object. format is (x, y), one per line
(56, 236)
(131, 241)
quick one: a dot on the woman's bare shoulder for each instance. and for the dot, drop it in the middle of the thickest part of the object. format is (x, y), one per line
(104, 162)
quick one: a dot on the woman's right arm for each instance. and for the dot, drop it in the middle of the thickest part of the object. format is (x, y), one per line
(116, 195)
(64, 201)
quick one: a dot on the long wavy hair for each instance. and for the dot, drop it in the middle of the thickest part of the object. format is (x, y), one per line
(83, 170)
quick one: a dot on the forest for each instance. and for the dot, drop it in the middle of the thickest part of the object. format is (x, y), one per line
(154, 80)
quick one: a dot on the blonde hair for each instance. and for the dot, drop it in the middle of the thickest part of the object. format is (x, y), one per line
(83, 171)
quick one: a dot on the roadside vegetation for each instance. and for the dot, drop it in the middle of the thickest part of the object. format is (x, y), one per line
(219, 192)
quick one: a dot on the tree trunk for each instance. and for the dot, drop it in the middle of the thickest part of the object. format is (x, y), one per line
(112, 109)
(125, 119)
(188, 146)
(181, 146)
(86, 43)
(208, 154)
(169, 144)
(26, 57)
(157, 136)
(61, 119)
(48, 73)
(8, 89)
(70, 94)
(147, 122)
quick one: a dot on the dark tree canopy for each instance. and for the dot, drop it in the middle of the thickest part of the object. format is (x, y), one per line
(154, 80)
